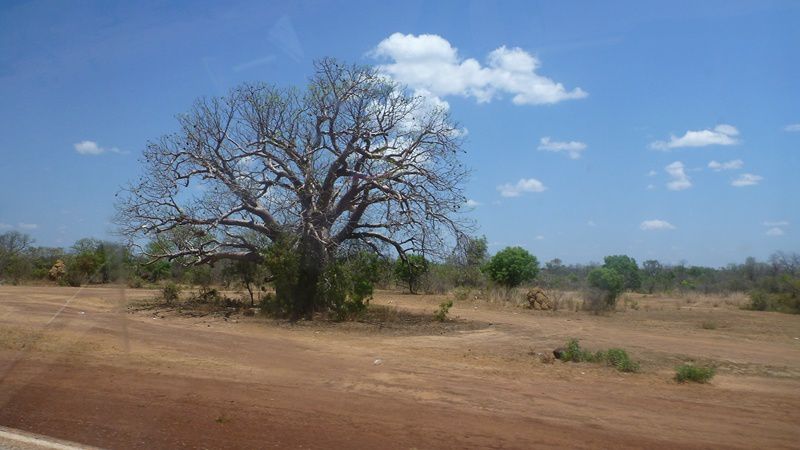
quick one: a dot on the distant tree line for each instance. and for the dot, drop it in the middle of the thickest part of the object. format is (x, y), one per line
(773, 284)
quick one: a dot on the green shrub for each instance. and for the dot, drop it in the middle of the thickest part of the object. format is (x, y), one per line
(410, 270)
(619, 359)
(697, 374)
(511, 267)
(610, 283)
(615, 357)
(444, 308)
(170, 292)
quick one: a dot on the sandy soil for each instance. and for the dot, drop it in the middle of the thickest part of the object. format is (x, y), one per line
(101, 374)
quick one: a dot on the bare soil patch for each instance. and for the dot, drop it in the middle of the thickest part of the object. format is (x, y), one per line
(101, 374)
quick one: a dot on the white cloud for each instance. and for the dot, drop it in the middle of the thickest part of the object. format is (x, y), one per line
(4, 226)
(651, 186)
(27, 226)
(792, 127)
(652, 173)
(779, 223)
(591, 223)
(720, 135)
(656, 225)
(747, 179)
(91, 148)
(680, 180)
(539, 238)
(775, 231)
(523, 185)
(572, 148)
(431, 63)
(472, 203)
(728, 165)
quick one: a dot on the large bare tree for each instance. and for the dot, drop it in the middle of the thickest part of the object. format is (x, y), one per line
(352, 160)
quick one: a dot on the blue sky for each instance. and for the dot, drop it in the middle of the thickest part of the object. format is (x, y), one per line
(665, 131)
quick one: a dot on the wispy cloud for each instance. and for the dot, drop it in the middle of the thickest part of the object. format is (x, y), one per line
(470, 203)
(428, 62)
(728, 165)
(27, 226)
(92, 149)
(254, 63)
(5, 226)
(656, 225)
(777, 223)
(775, 231)
(523, 185)
(719, 135)
(747, 179)
(792, 127)
(571, 148)
(652, 173)
(680, 180)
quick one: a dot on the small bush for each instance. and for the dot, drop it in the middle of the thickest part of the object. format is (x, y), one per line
(170, 292)
(615, 357)
(709, 325)
(697, 374)
(444, 308)
(619, 359)
(575, 353)
(461, 293)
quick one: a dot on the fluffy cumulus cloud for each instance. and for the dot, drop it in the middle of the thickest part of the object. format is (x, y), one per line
(572, 148)
(792, 127)
(472, 203)
(91, 148)
(429, 64)
(522, 186)
(746, 179)
(717, 166)
(719, 135)
(656, 225)
(679, 180)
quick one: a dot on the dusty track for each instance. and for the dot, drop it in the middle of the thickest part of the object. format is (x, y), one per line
(101, 376)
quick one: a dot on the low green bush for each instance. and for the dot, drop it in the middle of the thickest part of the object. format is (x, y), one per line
(697, 374)
(444, 308)
(614, 357)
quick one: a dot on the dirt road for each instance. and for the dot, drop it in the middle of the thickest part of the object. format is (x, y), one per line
(99, 375)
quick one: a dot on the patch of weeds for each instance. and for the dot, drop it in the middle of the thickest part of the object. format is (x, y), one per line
(619, 359)
(696, 374)
(461, 293)
(444, 308)
(170, 293)
(615, 357)
(708, 325)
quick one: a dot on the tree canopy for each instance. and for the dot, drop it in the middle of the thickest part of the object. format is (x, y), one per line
(351, 162)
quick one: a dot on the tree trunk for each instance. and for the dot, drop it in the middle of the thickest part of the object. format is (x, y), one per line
(312, 264)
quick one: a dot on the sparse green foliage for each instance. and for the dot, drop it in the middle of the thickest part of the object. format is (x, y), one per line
(609, 282)
(614, 357)
(411, 270)
(619, 359)
(697, 374)
(444, 308)
(170, 292)
(511, 267)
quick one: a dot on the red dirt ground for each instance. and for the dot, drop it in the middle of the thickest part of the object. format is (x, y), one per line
(100, 375)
